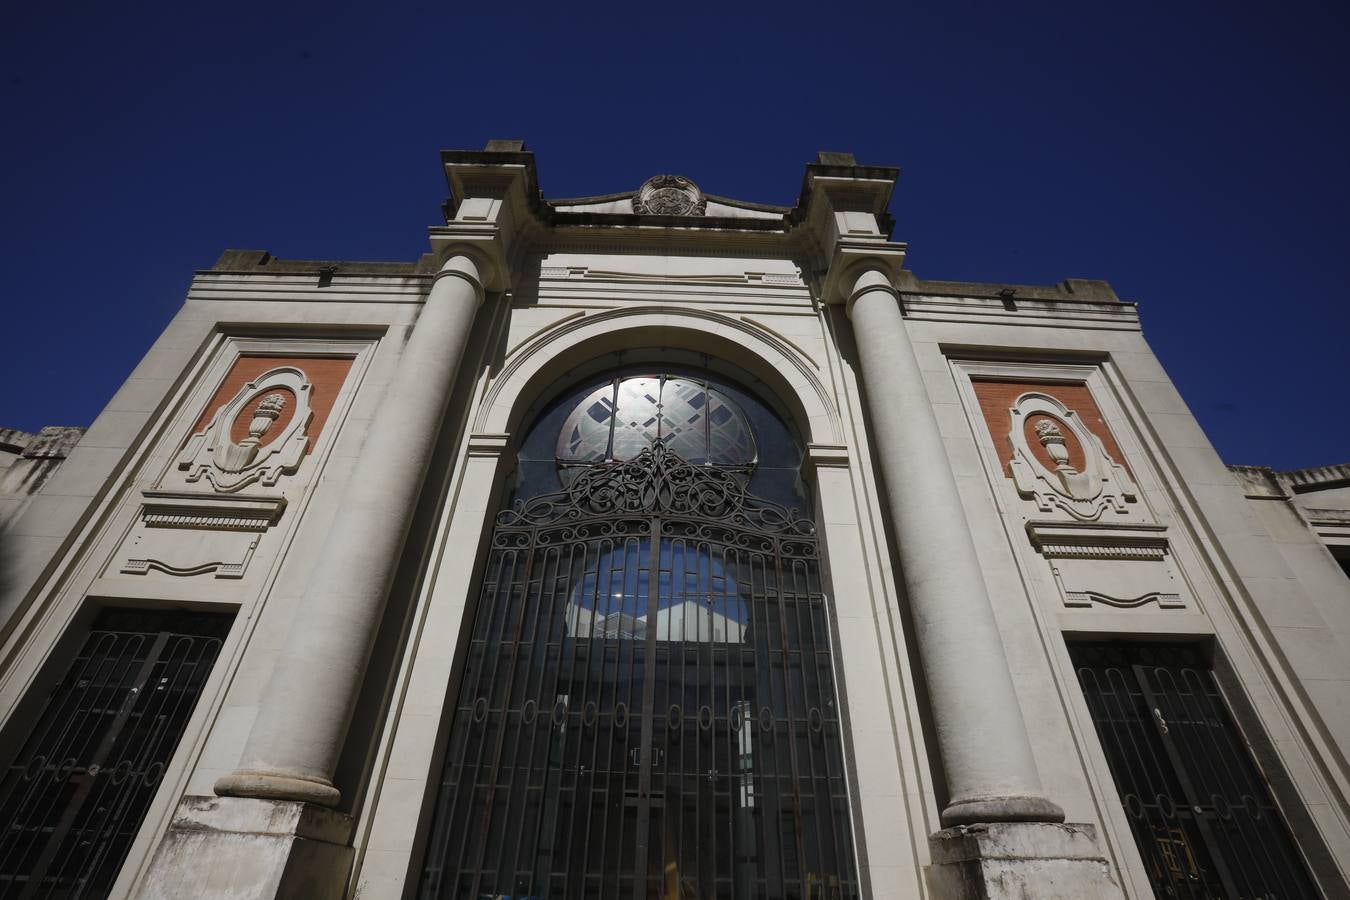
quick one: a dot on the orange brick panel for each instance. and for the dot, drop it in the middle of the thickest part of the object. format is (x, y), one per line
(326, 373)
(997, 399)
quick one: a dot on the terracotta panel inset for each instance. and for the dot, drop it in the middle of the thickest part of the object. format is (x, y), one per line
(998, 397)
(327, 374)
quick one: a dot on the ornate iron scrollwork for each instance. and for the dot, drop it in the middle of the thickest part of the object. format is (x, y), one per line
(658, 482)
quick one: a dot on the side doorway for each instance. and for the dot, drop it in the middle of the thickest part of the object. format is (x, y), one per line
(1202, 814)
(78, 781)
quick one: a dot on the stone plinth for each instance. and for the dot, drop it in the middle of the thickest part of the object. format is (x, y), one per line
(227, 848)
(1016, 860)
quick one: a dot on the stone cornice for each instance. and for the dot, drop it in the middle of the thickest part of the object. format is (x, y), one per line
(838, 221)
(1318, 478)
(1265, 482)
(1070, 290)
(1058, 539)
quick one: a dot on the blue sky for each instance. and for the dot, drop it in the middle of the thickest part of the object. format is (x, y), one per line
(1193, 155)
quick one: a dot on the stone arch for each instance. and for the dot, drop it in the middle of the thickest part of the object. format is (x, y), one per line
(543, 357)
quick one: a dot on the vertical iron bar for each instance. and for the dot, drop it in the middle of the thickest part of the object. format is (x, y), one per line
(642, 875)
(1191, 797)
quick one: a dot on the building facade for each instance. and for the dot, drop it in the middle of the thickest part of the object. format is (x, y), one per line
(666, 545)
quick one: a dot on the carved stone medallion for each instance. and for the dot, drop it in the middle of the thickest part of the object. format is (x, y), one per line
(669, 195)
(271, 415)
(1081, 479)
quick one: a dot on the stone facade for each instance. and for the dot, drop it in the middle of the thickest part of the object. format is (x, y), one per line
(999, 473)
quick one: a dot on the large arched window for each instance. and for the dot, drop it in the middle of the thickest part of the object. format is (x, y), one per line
(648, 706)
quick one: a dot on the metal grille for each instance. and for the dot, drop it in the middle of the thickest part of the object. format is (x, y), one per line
(73, 799)
(1202, 815)
(648, 706)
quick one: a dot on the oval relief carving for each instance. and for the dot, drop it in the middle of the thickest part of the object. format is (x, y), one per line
(1061, 464)
(256, 437)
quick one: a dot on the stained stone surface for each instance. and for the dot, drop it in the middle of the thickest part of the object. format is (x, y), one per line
(1014, 861)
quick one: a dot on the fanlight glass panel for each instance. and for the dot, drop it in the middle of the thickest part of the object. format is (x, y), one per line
(620, 419)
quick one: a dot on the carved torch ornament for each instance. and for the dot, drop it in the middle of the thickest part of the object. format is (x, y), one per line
(1052, 439)
(268, 411)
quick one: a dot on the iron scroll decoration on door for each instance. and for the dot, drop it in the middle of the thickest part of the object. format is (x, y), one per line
(648, 705)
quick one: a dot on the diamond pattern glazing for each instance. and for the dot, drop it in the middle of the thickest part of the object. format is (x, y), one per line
(619, 420)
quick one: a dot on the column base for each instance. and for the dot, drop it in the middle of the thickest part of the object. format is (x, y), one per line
(226, 848)
(980, 810)
(274, 784)
(1015, 860)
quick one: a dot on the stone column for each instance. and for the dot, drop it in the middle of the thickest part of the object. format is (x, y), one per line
(292, 751)
(986, 754)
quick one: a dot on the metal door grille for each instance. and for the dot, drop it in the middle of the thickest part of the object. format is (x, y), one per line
(1202, 815)
(648, 706)
(74, 797)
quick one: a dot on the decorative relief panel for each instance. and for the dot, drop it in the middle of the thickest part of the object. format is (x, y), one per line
(185, 534)
(1122, 567)
(227, 484)
(669, 195)
(263, 419)
(1054, 456)
(257, 436)
(1082, 510)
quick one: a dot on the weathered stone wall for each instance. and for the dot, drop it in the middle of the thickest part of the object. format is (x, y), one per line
(27, 461)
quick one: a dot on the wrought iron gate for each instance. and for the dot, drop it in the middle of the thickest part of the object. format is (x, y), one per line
(73, 799)
(648, 706)
(1202, 815)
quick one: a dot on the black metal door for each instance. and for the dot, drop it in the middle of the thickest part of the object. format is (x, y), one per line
(648, 706)
(73, 799)
(1202, 815)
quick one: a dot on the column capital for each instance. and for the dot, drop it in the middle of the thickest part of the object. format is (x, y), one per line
(854, 256)
(482, 243)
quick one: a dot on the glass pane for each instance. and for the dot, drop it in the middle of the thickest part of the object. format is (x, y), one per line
(584, 437)
(684, 424)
